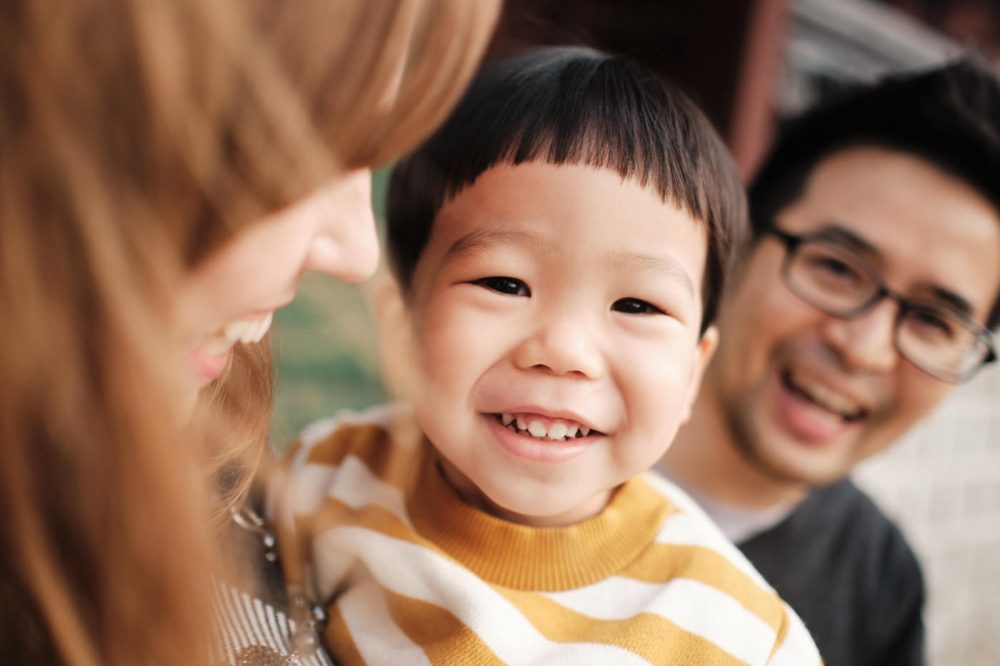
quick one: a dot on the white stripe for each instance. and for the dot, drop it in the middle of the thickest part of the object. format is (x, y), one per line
(373, 630)
(226, 630)
(691, 526)
(417, 572)
(351, 483)
(266, 628)
(681, 529)
(307, 487)
(356, 487)
(382, 415)
(798, 647)
(697, 608)
(237, 628)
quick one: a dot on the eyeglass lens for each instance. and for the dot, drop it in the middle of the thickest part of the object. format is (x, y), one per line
(836, 280)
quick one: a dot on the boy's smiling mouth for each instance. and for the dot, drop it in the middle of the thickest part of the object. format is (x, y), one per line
(545, 428)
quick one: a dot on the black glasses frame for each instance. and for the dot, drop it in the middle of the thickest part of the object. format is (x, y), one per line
(792, 242)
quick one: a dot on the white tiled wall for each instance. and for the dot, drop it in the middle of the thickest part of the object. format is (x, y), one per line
(942, 484)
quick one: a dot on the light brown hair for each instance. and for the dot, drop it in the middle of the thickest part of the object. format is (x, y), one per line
(136, 137)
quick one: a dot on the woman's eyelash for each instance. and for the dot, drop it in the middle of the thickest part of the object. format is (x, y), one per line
(504, 285)
(635, 306)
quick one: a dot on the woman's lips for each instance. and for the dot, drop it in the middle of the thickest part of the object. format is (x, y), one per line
(209, 367)
(211, 354)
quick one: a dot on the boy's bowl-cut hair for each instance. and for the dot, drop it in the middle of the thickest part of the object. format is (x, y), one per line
(570, 105)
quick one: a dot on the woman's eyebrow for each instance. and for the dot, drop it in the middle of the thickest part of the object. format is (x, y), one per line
(485, 239)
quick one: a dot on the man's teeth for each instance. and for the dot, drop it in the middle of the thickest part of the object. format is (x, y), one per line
(248, 330)
(555, 431)
(825, 398)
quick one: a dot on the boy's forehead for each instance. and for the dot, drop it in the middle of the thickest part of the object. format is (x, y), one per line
(535, 192)
(583, 213)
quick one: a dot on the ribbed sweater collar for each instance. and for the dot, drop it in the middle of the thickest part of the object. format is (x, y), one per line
(532, 558)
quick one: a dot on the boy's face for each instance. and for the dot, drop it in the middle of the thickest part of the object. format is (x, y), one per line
(555, 315)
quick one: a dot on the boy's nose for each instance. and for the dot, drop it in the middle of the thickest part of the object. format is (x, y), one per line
(563, 346)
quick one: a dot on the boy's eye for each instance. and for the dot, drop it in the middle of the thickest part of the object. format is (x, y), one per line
(504, 285)
(635, 306)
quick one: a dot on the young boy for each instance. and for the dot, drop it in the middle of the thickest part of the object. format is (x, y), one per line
(560, 244)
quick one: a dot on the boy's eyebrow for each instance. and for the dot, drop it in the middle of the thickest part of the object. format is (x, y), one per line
(667, 266)
(483, 239)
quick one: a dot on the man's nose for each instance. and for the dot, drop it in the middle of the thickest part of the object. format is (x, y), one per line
(866, 342)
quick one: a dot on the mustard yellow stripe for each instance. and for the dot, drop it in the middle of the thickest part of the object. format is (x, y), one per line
(290, 452)
(393, 457)
(782, 635)
(339, 640)
(443, 637)
(662, 563)
(335, 513)
(651, 636)
(367, 441)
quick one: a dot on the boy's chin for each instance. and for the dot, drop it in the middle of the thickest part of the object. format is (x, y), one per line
(523, 509)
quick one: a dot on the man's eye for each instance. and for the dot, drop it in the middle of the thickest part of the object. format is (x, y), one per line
(929, 324)
(504, 285)
(635, 306)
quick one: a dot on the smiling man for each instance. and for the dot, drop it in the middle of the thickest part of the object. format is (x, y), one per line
(868, 294)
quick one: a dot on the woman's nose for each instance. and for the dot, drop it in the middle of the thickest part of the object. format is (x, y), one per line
(346, 242)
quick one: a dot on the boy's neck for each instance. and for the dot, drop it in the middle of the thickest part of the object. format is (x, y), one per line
(474, 497)
(706, 457)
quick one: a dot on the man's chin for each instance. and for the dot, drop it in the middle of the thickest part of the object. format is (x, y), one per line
(795, 464)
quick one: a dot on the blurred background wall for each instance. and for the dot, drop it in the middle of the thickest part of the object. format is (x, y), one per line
(750, 64)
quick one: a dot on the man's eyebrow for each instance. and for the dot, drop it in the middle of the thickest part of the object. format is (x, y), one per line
(950, 299)
(953, 301)
(484, 239)
(841, 234)
(667, 266)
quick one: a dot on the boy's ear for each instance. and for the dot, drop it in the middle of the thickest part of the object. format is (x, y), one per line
(707, 345)
(394, 325)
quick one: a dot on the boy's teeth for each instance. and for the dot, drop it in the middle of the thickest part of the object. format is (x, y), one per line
(537, 429)
(556, 431)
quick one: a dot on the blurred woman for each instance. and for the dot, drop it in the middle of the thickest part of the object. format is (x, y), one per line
(168, 169)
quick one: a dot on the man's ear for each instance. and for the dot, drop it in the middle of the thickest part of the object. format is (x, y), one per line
(707, 345)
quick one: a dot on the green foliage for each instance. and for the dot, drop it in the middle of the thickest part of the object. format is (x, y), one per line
(325, 350)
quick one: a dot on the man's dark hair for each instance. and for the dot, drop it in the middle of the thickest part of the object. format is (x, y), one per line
(568, 105)
(949, 116)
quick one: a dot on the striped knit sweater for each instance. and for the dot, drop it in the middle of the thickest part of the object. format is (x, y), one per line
(413, 575)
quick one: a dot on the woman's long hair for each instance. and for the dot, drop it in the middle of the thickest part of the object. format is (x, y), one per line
(136, 137)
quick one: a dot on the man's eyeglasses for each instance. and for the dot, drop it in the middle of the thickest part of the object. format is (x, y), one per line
(836, 280)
